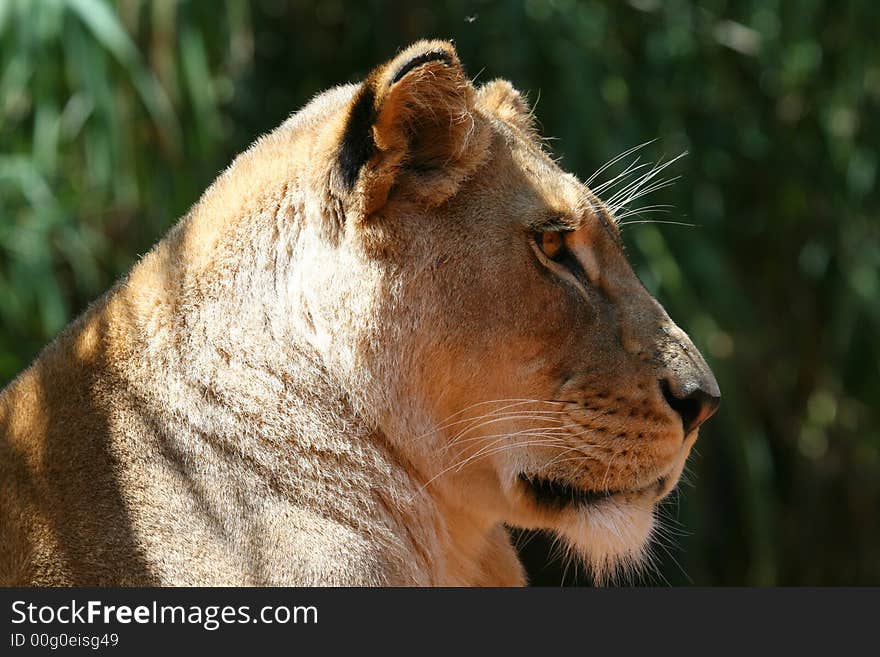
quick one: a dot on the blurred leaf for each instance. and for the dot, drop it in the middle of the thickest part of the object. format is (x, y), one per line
(109, 32)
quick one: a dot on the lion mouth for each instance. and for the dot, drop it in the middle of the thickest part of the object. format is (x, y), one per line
(558, 494)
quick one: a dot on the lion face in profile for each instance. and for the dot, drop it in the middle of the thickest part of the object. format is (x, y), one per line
(392, 327)
(479, 300)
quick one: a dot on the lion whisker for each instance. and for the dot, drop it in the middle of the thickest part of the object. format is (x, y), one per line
(637, 188)
(445, 424)
(549, 442)
(487, 420)
(662, 184)
(608, 470)
(617, 159)
(562, 430)
(511, 401)
(459, 465)
(530, 431)
(628, 171)
(659, 206)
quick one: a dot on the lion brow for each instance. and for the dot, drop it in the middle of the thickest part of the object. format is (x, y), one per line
(554, 220)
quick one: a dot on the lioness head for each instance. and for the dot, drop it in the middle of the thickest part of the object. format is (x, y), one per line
(476, 300)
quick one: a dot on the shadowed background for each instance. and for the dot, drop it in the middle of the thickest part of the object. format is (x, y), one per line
(114, 117)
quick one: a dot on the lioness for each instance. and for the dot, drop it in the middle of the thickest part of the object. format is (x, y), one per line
(390, 328)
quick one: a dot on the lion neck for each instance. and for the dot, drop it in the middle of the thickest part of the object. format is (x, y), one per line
(227, 323)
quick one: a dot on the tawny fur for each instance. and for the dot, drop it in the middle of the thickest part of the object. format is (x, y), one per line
(308, 382)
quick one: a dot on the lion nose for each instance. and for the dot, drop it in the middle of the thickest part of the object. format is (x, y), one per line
(694, 401)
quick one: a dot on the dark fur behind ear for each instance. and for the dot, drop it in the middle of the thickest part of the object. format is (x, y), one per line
(357, 145)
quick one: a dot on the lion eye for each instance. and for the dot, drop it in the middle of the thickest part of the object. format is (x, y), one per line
(551, 243)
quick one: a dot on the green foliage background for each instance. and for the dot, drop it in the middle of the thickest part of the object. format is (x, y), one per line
(115, 116)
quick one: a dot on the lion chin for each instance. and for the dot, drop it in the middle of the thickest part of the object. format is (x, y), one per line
(611, 537)
(605, 529)
(607, 532)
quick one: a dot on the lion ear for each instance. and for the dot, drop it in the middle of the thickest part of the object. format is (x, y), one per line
(500, 98)
(410, 127)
